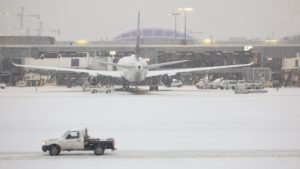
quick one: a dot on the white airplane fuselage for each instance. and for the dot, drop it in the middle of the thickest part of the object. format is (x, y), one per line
(138, 72)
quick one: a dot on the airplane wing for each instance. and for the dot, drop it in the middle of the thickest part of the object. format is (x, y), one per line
(117, 74)
(153, 66)
(173, 72)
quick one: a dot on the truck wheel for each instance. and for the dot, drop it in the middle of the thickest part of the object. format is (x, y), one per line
(98, 150)
(54, 150)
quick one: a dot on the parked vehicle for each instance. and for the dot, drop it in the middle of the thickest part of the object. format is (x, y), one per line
(241, 87)
(2, 85)
(202, 84)
(176, 83)
(228, 84)
(77, 141)
(256, 85)
(205, 84)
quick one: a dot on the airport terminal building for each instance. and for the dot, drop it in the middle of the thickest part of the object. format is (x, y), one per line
(267, 58)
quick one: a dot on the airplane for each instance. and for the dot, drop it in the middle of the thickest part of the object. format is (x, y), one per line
(134, 69)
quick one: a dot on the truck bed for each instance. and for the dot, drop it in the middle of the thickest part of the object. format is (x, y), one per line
(106, 144)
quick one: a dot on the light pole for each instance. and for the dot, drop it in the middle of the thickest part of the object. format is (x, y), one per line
(175, 14)
(185, 10)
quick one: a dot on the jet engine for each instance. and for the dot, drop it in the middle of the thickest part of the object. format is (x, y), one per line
(166, 80)
(94, 80)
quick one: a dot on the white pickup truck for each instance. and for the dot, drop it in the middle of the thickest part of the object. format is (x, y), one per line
(77, 141)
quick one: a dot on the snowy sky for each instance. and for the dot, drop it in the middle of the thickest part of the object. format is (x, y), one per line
(96, 19)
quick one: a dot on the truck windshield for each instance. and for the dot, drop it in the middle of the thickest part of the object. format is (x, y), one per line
(66, 133)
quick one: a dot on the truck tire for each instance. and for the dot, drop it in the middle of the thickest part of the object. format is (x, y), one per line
(54, 150)
(98, 150)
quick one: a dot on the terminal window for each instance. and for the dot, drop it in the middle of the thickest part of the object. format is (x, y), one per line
(74, 62)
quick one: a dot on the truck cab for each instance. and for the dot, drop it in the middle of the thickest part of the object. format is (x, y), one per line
(77, 141)
(72, 140)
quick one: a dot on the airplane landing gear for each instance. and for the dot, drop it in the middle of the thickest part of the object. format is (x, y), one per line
(125, 85)
(109, 86)
(154, 84)
(108, 90)
(94, 91)
(153, 87)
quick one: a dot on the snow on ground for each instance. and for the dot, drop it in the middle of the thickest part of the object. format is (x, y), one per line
(180, 119)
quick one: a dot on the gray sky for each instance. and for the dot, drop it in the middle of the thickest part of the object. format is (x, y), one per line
(93, 19)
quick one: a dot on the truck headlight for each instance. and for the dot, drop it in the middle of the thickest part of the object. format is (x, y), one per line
(43, 143)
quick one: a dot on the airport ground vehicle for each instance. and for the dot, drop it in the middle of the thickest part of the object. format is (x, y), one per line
(176, 83)
(256, 85)
(202, 84)
(97, 88)
(241, 87)
(2, 85)
(228, 84)
(77, 141)
(205, 84)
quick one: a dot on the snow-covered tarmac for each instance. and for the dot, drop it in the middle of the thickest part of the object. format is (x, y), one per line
(175, 128)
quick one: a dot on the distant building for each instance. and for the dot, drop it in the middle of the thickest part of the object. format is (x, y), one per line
(26, 40)
(292, 39)
(155, 35)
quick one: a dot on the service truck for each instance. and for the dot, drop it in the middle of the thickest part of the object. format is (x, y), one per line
(77, 141)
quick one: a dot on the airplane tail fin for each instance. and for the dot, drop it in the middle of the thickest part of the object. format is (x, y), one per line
(137, 48)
